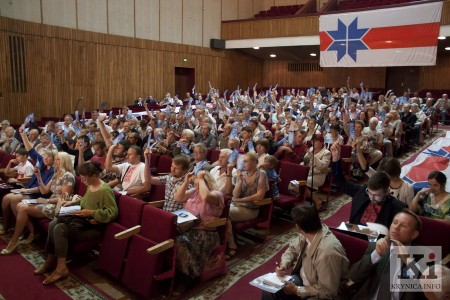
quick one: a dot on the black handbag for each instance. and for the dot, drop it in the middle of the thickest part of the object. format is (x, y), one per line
(75, 223)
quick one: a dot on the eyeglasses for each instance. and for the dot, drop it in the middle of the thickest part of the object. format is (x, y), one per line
(375, 197)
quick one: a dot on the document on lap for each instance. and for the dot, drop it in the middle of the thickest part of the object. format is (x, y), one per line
(270, 282)
(184, 216)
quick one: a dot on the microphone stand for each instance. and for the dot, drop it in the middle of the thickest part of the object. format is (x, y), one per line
(78, 102)
(313, 152)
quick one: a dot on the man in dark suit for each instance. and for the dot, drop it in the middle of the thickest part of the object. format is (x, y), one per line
(370, 203)
(373, 273)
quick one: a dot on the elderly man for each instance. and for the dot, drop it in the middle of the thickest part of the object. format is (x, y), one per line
(293, 153)
(199, 151)
(423, 122)
(443, 104)
(206, 137)
(373, 271)
(11, 144)
(370, 203)
(224, 173)
(5, 124)
(320, 265)
(375, 138)
(410, 120)
(224, 136)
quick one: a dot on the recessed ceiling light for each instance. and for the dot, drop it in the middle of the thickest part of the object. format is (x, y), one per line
(256, 48)
(313, 54)
(273, 55)
(447, 48)
(441, 37)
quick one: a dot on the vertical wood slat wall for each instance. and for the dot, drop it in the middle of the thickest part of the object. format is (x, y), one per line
(277, 72)
(63, 64)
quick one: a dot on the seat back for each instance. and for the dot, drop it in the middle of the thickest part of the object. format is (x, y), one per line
(158, 192)
(154, 158)
(214, 155)
(346, 152)
(431, 235)
(354, 247)
(113, 251)
(142, 270)
(164, 164)
(80, 187)
(289, 172)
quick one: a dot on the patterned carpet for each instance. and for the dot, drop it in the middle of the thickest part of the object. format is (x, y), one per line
(237, 270)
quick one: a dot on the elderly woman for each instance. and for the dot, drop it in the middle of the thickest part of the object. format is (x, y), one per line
(195, 246)
(251, 185)
(400, 189)
(63, 182)
(187, 139)
(98, 207)
(433, 202)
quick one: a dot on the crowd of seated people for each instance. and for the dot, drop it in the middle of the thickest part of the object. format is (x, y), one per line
(251, 130)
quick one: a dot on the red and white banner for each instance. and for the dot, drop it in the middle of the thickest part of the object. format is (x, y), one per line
(399, 36)
(434, 158)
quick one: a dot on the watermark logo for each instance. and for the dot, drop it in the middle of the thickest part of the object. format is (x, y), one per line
(412, 269)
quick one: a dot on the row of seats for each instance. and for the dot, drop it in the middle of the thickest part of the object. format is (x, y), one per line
(277, 11)
(358, 4)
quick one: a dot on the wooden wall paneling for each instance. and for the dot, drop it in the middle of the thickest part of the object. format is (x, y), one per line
(445, 17)
(301, 26)
(277, 72)
(436, 77)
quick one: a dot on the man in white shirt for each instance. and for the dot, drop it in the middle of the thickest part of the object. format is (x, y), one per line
(132, 175)
(224, 173)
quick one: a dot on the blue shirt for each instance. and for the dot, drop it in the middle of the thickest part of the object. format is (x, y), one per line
(46, 174)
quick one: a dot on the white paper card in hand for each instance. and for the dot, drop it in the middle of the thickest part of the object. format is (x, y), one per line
(67, 210)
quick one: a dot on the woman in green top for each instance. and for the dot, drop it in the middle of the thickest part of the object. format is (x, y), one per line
(98, 206)
(433, 202)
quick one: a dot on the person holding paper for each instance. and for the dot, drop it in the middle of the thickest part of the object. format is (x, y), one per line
(172, 182)
(318, 260)
(371, 202)
(207, 137)
(194, 247)
(131, 172)
(62, 183)
(98, 207)
(251, 185)
(246, 138)
(225, 172)
(293, 153)
(199, 152)
(45, 164)
(187, 139)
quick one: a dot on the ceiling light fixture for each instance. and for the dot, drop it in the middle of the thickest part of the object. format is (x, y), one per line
(256, 48)
(441, 37)
(313, 54)
(273, 55)
(447, 48)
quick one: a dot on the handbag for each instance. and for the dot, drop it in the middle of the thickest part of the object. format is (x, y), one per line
(75, 223)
